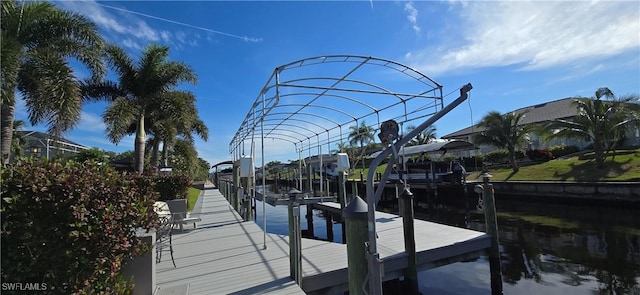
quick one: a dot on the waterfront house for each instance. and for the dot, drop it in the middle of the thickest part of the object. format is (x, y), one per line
(42, 145)
(540, 114)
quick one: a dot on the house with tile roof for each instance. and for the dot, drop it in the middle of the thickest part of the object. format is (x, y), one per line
(538, 114)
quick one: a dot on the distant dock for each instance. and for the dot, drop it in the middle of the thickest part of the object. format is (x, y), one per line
(225, 255)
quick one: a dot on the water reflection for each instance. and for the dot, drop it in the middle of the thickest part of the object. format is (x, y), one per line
(545, 248)
(557, 249)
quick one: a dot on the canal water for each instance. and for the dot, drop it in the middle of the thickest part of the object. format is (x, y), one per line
(545, 248)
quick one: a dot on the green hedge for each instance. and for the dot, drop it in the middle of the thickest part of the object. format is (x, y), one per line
(72, 226)
(174, 186)
(561, 150)
(501, 156)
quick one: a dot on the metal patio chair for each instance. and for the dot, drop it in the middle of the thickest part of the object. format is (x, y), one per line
(163, 238)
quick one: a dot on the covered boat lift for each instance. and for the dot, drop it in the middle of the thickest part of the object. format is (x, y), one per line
(314, 103)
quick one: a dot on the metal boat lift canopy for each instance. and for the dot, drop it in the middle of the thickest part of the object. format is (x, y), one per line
(313, 102)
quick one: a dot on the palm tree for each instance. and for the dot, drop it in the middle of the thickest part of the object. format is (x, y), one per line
(426, 136)
(184, 157)
(183, 122)
(504, 131)
(142, 89)
(602, 122)
(38, 39)
(362, 134)
(19, 141)
(176, 116)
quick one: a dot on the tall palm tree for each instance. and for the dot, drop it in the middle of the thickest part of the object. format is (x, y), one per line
(426, 136)
(38, 39)
(599, 121)
(176, 115)
(141, 89)
(183, 122)
(504, 131)
(362, 134)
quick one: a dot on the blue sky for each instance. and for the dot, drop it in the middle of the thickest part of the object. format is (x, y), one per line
(515, 53)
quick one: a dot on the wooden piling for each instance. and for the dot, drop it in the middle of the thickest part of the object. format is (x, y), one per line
(342, 197)
(329, 223)
(355, 215)
(309, 216)
(291, 244)
(491, 222)
(400, 202)
(411, 276)
(354, 190)
(295, 243)
(236, 184)
(309, 183)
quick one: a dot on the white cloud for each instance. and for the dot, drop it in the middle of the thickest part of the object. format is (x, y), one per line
(91, 122)
(412, 16)
(102, 142)
(533, 34)
(130, 43)
(126, 28)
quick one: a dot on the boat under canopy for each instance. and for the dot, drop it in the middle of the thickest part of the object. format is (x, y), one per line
(436, 147)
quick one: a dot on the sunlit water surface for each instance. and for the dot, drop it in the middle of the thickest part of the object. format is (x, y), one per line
(545, 248)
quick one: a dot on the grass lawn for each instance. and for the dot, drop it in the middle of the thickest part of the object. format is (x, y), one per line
(625, 166)
(356, 172)
(192, 197)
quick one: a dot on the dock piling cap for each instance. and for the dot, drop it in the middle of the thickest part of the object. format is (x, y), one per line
(357, 209)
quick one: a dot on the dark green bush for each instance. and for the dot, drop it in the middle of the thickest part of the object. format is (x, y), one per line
(562, 150)
(174, 186)
(539, 155)
(473, 162)
(72, 225)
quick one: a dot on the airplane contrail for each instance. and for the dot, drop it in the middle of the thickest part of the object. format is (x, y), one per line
(245, 38)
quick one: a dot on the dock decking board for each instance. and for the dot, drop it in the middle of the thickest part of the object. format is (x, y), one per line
(224, 255)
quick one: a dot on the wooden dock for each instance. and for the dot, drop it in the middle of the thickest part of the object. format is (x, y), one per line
(225, 255)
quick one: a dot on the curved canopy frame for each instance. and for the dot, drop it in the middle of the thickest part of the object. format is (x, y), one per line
(314, 101)
(338, 92)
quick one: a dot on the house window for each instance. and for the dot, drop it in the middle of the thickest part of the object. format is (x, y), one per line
(35, 151)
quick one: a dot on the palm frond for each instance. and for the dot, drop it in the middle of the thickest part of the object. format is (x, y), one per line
(51, 92)
(118, 117)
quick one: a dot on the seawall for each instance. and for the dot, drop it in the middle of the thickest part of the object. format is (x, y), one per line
(592, 191)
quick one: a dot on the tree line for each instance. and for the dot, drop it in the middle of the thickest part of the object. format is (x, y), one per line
(38, 42)
(603, 120)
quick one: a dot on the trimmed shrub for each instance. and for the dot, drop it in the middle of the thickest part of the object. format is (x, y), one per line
(561, 150)
(497, 156)
(72, 225)
(501, 156)
(539, 155)
(174, 186)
